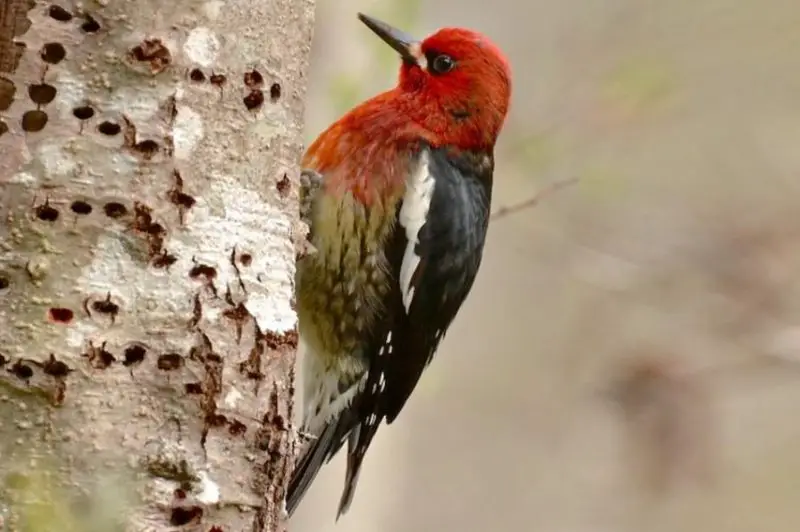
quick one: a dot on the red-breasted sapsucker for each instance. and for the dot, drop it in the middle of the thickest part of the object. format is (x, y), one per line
(398, 216)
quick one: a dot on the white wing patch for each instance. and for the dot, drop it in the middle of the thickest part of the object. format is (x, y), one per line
(413, 213)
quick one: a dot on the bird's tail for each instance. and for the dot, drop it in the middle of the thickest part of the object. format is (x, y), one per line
(354, 460)
(315, 456)
(319, 453)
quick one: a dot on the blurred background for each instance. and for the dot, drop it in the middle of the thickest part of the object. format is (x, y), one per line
(627, 361)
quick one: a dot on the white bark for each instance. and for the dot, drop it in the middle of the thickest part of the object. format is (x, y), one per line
(177, 125)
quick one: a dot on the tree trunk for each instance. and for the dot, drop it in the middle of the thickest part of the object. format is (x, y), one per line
(148, 214)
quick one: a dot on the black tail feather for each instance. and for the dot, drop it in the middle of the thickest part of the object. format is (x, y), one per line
(354, 461)
(319, 452)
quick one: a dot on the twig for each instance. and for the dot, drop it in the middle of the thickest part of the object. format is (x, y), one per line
(549, 189)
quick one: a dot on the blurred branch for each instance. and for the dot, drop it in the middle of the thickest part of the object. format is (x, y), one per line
(531, 202)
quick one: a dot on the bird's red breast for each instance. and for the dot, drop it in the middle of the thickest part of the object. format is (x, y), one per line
(366, 152)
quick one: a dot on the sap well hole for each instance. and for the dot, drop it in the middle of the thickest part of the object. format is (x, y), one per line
(46, 212)
(61, 314)
(53, 53)
(90, 25)
(275, 92)
(109, 128)
(58, 13)
(253, 79)
(83, 112)
(254, 100)
(115, 210)
(42, 93)
(81, 208)
(34, 120)
(197, 75)
(133, 355)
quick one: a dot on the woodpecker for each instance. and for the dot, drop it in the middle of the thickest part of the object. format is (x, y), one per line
(397, 202)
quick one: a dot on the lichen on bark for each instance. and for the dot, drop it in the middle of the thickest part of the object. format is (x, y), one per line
(147, 329)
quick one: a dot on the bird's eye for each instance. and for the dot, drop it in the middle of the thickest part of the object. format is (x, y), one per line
(442, 64)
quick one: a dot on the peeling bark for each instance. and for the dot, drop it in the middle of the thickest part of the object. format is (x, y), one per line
(148, 209)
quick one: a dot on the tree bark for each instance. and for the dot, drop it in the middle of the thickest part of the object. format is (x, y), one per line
(148, 220)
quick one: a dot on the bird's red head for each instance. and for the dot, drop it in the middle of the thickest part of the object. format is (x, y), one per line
(456, 83)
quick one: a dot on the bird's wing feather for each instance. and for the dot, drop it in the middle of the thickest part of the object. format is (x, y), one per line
(436, 249)
(442, 263)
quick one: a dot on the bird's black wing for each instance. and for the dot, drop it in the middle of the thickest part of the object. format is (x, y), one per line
(435, 251)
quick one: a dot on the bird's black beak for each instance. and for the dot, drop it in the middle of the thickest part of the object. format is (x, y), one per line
(403, 43)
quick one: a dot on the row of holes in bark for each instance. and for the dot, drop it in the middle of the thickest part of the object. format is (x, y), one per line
(253, 80)
(43, 94)
(90, 25)
(101, 358)
(35, 120)
(106, 306)
(47, 213)
(115, 210)
(152, 51)
(23, 369)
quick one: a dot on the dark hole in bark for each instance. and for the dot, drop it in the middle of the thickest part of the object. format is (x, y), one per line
(56, 368)
(115, 210)
(203, 270)
(109, 128)
(34, 120)
(146, 147)
(83, 112)
(105, 306)
(197, 75)
(133, 355)
(275, 92)
(58, 13)
(194, 388)
(254, 100)
(81, 207)
(61, 314)
(47, 213)
(90, 25)
(53, 53)
(181, 516)
(42, 93)
(253, 79)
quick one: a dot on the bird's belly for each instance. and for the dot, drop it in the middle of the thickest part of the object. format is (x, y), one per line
(336, 307)
(335, 310)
